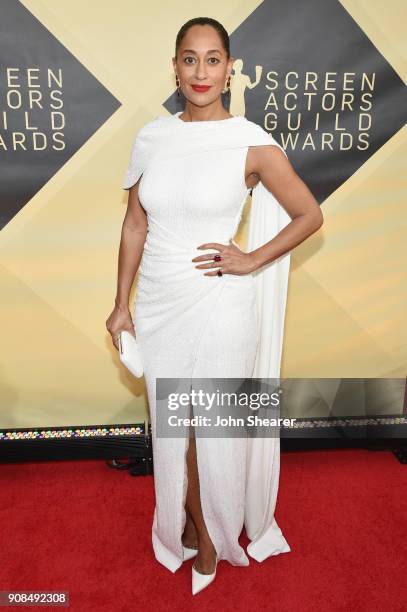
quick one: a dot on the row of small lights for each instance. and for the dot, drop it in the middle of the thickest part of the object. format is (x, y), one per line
(120, 431)
(354, 422)
(69, 433)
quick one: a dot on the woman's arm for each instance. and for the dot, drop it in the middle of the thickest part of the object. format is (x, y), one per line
(269, 164)
(276, 173)
(133, 236)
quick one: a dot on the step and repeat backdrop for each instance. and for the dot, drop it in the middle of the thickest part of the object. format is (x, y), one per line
(78, 80)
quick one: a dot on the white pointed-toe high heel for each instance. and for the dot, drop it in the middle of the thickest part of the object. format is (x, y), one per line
(200, 581)
(189, 553)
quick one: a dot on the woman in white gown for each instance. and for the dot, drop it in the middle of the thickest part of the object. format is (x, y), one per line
(217, 312)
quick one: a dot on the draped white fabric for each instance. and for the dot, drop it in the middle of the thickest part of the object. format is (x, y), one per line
(169, 138)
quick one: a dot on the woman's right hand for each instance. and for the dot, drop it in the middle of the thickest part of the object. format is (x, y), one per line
(118, 320)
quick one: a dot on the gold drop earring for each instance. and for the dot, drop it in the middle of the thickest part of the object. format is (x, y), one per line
(227, 86)
(177, 81)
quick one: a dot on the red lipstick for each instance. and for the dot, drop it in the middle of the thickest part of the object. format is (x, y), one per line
(201, 88)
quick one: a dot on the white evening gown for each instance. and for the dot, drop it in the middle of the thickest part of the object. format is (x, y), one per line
(189, 325)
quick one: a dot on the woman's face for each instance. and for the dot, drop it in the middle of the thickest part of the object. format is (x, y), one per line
(202, 61)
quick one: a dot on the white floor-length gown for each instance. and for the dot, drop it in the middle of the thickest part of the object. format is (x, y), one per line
(189, 325)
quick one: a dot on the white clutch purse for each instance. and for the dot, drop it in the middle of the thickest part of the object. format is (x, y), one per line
(129, 353)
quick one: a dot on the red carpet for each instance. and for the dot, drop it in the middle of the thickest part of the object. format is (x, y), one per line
(82, 527)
